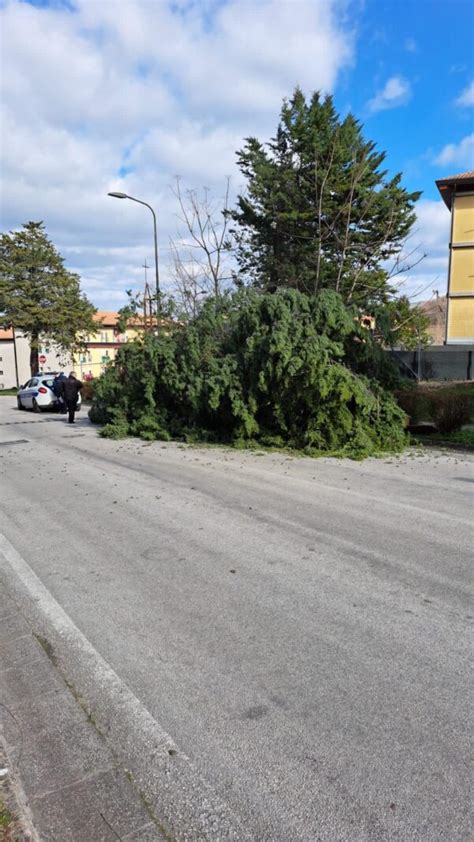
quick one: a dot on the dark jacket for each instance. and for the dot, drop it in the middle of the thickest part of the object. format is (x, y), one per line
(58, 384)
(71, 388)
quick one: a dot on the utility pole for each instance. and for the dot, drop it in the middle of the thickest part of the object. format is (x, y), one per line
(145, 267)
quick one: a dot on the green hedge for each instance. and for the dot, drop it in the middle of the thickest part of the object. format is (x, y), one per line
(448, 407)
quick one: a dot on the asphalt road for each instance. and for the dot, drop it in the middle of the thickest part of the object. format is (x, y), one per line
(276, 647)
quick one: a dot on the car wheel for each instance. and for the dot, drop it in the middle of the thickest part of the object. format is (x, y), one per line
(35, 406)
(20, 405)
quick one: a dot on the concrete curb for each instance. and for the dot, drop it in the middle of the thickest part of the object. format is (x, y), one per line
(63, 782)
(179, 801)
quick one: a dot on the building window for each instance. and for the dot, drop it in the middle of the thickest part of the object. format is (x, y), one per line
(104, 337)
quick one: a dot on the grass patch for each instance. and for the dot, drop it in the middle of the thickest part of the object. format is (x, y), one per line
(8, 392)
(6, 818)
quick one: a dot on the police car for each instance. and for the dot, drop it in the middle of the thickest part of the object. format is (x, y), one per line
(37, 394)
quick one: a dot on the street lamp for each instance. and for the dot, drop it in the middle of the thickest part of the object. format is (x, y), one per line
(157, 277)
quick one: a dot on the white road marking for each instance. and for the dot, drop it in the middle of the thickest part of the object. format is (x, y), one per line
(66, 628)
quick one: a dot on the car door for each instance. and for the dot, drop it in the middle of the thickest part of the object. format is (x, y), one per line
(29, 393)
(23, 393)
(51, 398)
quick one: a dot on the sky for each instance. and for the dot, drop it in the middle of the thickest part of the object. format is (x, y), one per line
(101, 95)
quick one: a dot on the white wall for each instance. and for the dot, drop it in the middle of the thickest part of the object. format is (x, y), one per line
(55, 361)
(7, 362)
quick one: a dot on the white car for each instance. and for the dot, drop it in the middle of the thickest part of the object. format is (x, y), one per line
(37, 394)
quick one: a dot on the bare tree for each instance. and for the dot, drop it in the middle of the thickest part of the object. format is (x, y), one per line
(189, 286)
(201, 258)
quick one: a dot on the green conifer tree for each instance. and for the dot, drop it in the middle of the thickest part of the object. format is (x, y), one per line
(319, 211)
(38, 295)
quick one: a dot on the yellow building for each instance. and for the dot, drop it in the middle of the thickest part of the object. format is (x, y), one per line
(457, 192)
(101, 347)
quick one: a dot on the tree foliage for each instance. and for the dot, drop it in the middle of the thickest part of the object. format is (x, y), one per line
(254, 368)
(38, 295)
(319, 211)
(402, 325)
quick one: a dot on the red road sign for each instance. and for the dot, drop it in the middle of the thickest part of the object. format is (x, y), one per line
(42, 359)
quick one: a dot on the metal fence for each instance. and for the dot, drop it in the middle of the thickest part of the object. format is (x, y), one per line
(440, 362)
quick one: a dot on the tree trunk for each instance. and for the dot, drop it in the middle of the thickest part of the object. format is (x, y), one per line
(34, 354)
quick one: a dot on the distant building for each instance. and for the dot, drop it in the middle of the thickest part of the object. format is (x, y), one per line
(15, 358)
(435, 310)
(457, 192)
(99, 349)
(102, 346)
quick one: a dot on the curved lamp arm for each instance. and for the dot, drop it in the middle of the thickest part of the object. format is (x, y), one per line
(116, 195)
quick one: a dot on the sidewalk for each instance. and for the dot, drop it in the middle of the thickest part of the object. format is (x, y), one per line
(73, 786)
(15, 818)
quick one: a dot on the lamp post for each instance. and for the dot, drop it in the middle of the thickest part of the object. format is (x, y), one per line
(16, 357)
(157, 277)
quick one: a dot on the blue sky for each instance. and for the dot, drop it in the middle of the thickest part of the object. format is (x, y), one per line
(428, 44)
(103, 95)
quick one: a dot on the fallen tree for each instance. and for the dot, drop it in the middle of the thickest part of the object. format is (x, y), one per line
(282, 369)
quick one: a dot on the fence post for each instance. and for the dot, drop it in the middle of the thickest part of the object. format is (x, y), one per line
(419, 362)
(469, 365)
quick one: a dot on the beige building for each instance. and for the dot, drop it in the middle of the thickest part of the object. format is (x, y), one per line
(100, 348)
(435, 310)
(15, 359)
(457, 192)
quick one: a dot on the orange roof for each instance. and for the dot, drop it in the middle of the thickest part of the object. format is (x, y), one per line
(6, 334)
(106, 317)
(448, 185)
(109, 318)
(461, 176)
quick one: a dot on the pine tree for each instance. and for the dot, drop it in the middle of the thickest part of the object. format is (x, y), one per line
(38, 295)
(319, 212)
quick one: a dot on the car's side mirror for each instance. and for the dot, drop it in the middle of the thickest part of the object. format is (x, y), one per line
(20, 387)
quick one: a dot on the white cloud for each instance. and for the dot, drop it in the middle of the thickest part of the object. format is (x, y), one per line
(461, 154)
(430, 237)
(396, 91)
(124, 97)
(410, 45)
(466, 98)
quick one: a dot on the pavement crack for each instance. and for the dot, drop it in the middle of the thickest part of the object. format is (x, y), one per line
(85, 778)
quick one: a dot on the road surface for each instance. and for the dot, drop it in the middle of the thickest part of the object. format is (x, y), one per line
(275, 648)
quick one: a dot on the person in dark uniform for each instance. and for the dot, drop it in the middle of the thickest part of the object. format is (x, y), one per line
(71, 387)
(58, 391)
